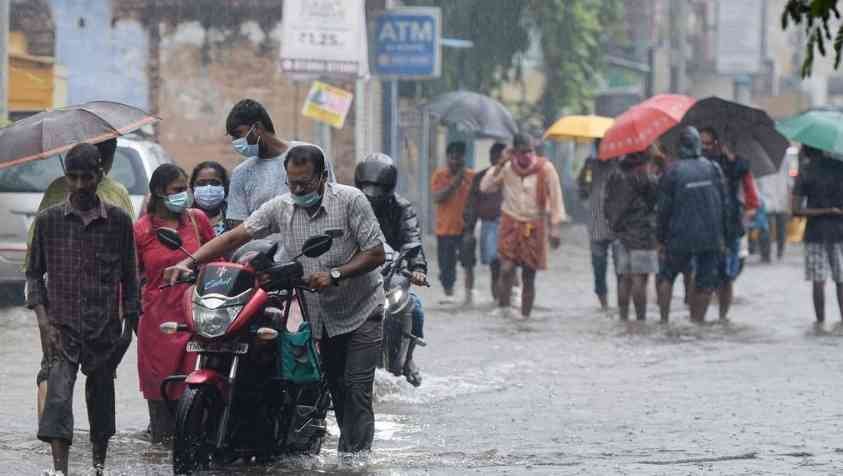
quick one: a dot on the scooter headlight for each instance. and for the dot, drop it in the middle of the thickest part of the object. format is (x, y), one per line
(212, 323)
(393, 299)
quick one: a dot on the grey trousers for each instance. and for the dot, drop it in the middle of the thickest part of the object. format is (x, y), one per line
(57, 420)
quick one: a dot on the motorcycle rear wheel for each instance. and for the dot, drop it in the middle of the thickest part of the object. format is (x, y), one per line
(195, 416)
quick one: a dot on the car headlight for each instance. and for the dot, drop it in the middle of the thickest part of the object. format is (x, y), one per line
(212, 323)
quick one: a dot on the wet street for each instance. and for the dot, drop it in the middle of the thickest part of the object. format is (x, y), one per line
(572, 391)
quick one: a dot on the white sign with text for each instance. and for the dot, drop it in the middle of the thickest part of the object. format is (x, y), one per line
(324, 37)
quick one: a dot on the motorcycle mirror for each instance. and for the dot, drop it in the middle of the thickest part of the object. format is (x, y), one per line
(265, 259)
(169, 238)
(316, 246)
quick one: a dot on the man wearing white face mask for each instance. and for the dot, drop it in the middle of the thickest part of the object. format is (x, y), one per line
(261, 176)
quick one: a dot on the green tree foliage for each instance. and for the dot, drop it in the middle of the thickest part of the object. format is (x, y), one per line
(495, 27)
(817, 17)
(572, 32)
(573, 41)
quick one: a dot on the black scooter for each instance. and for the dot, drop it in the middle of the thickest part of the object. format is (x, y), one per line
(398, 340)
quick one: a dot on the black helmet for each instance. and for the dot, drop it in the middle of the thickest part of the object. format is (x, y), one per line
(376, 176)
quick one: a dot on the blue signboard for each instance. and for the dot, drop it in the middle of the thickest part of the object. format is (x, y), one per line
(407, 43)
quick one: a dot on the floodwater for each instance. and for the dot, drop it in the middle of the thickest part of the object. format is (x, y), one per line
(572, 391)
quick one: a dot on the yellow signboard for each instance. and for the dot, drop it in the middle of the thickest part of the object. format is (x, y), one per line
(327, 104)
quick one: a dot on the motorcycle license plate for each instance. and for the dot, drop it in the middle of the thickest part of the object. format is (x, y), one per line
(218, 347)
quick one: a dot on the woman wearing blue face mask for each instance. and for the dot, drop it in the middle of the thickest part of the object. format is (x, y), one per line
(161, 355)
(209, 182)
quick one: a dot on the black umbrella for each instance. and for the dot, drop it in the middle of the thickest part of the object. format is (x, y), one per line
(474, 113)
(749, 131)
(54, 132)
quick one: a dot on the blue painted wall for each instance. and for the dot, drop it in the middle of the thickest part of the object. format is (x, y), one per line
(102, 62)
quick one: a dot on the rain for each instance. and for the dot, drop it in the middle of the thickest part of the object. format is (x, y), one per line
(629, 213)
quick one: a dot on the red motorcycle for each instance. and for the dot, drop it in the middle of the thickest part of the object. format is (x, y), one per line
(258, 390)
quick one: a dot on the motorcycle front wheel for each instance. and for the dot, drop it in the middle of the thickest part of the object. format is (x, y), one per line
(196, 416)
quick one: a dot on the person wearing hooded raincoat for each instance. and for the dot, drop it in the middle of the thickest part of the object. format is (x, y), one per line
(692, 224)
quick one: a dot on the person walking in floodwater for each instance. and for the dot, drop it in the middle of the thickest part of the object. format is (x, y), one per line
(109, 190)
(630, 206)
(161, 355)
(741, 205)
(692, 220)
(591, 184)
(485, 207)
(450, 186)
(775, 191)
(818, 195)
(531, 217)
(83, 236)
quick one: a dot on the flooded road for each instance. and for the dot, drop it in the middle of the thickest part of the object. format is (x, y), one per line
(570, 392)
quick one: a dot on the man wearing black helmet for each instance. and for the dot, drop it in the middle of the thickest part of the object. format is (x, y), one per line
(376, 176)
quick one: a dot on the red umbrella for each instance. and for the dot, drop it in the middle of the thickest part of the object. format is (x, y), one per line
(643, 123)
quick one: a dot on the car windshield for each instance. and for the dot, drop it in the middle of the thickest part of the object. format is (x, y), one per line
(31, 177)
(37, 175)
(128, 170)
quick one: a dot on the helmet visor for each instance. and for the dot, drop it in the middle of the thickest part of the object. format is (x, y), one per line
(374, 191)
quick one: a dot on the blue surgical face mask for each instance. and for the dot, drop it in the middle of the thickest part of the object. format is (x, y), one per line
(209, 197)
(244, 148)
(178, 202)
(307, 200)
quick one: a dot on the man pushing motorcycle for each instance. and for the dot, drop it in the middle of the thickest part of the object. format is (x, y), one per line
(347, 312)
(376, 176)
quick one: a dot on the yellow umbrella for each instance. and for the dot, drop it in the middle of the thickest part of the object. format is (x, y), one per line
(579, 128)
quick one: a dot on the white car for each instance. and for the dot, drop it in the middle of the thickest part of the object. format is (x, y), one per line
(21, 189)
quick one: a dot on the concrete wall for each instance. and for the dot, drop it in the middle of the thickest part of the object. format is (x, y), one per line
(103, 61)
(199, 88)
(202, 74)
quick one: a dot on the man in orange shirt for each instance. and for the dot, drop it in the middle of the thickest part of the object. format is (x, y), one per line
(451, 186)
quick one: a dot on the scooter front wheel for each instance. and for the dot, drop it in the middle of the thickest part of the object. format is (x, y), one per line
(196, 416)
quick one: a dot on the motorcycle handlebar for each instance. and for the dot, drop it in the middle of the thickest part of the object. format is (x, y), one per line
(189, 279)
(407, 274)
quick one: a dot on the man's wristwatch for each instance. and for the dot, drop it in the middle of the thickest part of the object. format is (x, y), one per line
(336, 275)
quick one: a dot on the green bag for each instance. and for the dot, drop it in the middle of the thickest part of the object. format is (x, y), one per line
(299, 361)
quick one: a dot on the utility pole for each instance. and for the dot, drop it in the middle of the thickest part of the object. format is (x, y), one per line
(391, 111)
(4, 60)
(679, 46)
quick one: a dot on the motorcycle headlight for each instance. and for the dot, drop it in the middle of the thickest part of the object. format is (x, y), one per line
(393, 298)
(212, 323)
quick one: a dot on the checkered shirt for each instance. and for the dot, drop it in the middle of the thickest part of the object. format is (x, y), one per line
(346, 215)
(90, 261)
